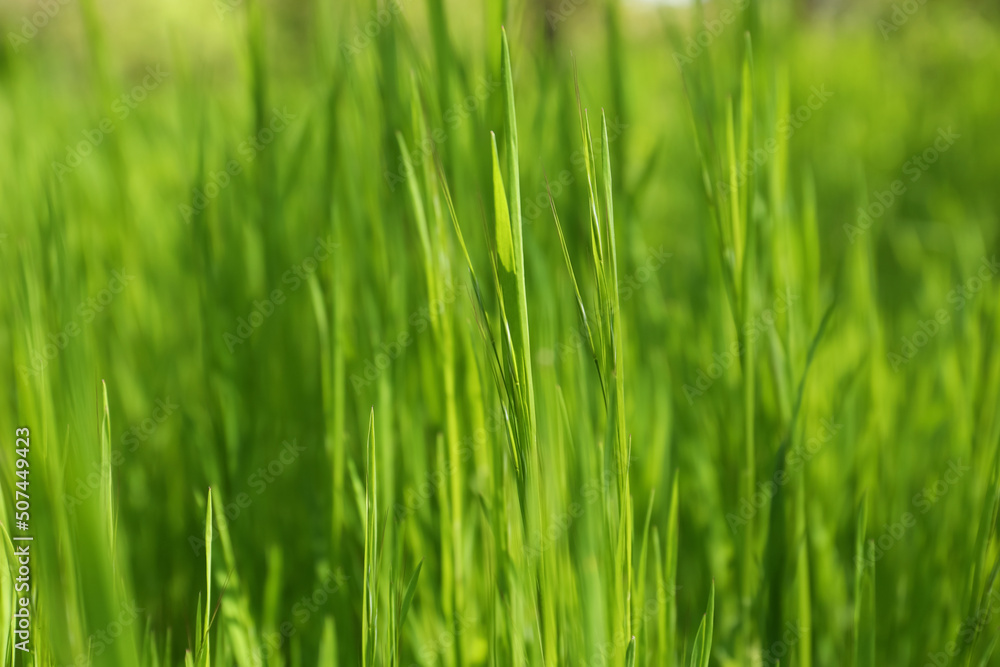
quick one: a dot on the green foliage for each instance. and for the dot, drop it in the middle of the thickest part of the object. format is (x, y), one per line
(761, 319)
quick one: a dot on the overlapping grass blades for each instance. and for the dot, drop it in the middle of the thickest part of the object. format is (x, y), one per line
(508, 540)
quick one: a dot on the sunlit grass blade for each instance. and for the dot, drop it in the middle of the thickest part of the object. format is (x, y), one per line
(370, 590)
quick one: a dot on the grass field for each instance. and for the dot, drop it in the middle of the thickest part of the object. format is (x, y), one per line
(425, 332)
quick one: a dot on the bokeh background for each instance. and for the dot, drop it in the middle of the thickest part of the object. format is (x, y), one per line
(204, 209)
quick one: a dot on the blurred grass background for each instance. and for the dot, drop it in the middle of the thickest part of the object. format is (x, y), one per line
(262, 164)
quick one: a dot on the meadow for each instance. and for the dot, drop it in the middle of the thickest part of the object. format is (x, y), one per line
(512, 332)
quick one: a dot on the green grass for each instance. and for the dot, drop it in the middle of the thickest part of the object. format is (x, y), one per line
(436, 333)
